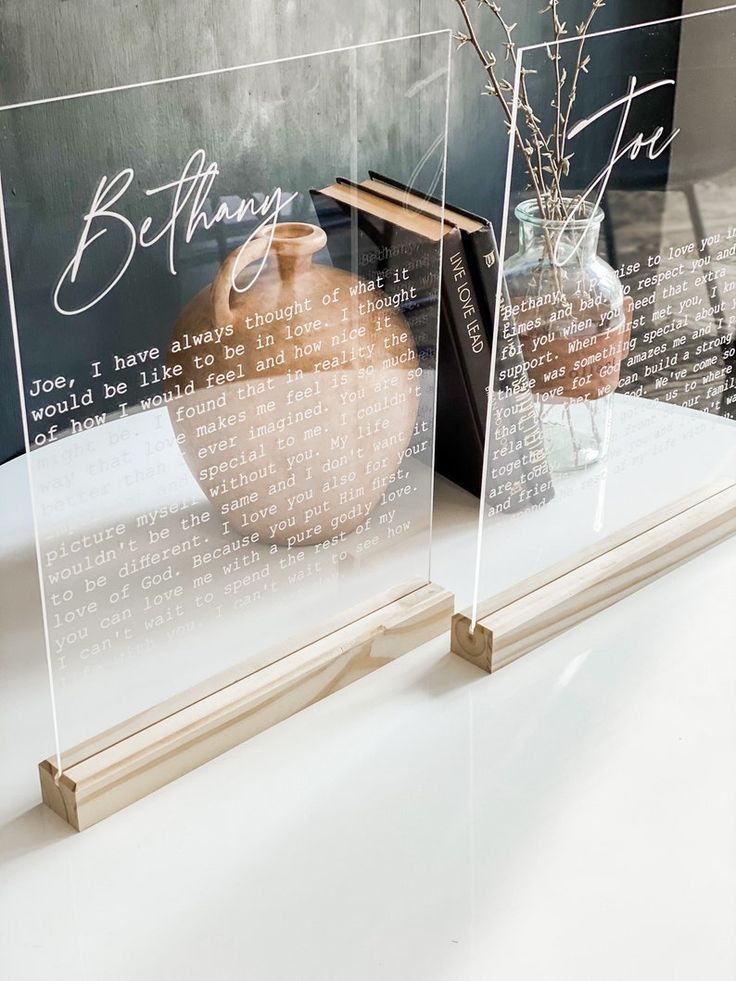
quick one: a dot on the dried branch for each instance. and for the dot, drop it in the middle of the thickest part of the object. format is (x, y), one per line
(497, 88)
(581, 65)
(557, 166)
(545, 156)
(540, 142)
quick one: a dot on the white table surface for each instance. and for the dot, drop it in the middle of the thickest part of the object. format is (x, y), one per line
(573, 817)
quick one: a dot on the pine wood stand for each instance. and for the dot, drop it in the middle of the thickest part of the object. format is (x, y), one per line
(516, 622)
(108, 773)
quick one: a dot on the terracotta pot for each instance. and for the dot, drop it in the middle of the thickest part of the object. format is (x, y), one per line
(294, 407)
(571, 360)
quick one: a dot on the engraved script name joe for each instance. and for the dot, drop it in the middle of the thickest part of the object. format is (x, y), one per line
(653, 145)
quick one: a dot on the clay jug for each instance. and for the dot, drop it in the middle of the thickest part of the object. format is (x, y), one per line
(294, 396)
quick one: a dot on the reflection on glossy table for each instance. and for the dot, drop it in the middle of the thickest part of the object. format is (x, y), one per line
(572, 817)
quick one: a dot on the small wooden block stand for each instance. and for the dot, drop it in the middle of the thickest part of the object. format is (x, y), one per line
(518, 621)
(106, 774)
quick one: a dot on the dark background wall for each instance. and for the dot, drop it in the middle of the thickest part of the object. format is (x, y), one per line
(51, 47)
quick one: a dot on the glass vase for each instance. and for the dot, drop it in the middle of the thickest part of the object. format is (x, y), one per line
(566, 305)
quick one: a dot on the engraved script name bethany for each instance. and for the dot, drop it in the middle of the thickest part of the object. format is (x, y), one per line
(190, 194)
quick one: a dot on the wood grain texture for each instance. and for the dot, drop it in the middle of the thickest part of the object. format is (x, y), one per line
(543, 607)
(131, 767)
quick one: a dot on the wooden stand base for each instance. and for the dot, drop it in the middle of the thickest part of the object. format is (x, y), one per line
(98, 780)
(519, 620)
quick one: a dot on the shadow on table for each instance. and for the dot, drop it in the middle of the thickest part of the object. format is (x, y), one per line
(449, 675)
(30, 832)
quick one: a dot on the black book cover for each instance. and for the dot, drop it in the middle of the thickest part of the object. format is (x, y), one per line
(463, 355)
(513, 400)
(462, 315)
(459, 446)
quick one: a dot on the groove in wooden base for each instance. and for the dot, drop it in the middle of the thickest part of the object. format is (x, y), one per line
(128, 768)
(521, 619)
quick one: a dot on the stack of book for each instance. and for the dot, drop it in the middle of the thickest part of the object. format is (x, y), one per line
(382, 227)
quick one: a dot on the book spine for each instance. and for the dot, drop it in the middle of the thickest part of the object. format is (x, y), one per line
(515, 429)
(463, 317)
(510, 371)
(459, 446)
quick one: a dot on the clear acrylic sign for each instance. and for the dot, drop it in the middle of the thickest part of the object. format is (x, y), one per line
(614, 378)
(227, 370)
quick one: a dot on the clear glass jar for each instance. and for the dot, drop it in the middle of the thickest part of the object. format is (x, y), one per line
(566, 305)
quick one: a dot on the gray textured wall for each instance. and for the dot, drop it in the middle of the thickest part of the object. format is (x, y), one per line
(51, 47)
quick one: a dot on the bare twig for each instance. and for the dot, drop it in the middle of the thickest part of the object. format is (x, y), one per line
(545, 157)
(497, 88)
(556, 57)
(581, 65)
(540, 141)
